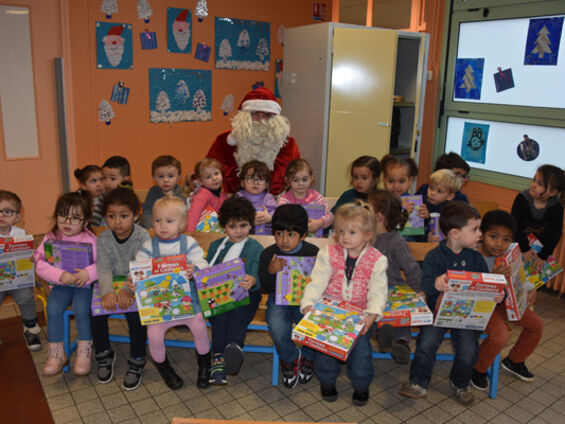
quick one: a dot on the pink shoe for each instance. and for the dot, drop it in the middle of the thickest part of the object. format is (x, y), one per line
(56, 359)
(83, 360)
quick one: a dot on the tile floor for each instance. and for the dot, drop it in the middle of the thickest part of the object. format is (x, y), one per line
(250, 395)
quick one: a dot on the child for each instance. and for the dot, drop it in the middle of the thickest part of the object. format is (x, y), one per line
(539, 210)
(91, 181)
(116, 248)
(457, 164)
(499, 228)
(166, 172)
(254, 177)
(299, 178)
(116, 171)
(460, 224)
(290, 226)
(365, 173)
(209, 176)
(11, 214)
(398, 174)
(228, 329)
(169, 221)
(72, 213)
(390, 218)
(354, 271)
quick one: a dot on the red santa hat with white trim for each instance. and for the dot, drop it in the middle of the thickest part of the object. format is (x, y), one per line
(116, 30)
(260, 100)
(182, 15)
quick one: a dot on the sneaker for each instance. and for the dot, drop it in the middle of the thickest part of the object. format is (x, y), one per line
(518, 369)
(134, 374)
(401, 352)
(218, 375)
(329, 394)
(463, 396)
(168, 374)
(233, 355)
(479, 380)
(105, 371)
(33, 341)
(83, 359)
(385, 336)
(290, 372)
(413, 391)
(306, 372)
(360, 398)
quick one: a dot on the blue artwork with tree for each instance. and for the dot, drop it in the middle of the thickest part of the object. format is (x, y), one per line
(542, 44)
(469, 78)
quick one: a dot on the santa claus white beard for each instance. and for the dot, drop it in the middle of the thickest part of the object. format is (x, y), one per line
(114, 52)
(181, 38)
(259, 140)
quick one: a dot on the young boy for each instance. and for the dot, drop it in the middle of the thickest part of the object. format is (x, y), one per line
(460, 224)
(166, 172)
(290, 226)
(11, 214)
(499, 229)
(458, 165)
(116, 172)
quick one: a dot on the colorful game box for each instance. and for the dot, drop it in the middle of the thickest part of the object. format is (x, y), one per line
(550, 270)
(263, 229)
(517, 290)
(208, 222)
(96, 305)
(68, 255)
(405, 309)
(218, 287)
(332, 327)
(315, 212)
(16, 267)
(415, 224)
(163, 289)
(292, 280)
(469, 303)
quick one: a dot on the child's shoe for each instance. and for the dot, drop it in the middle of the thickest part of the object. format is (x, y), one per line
(218, 375)
(412, 391)
(83, 359)
(360, 398)
(31, 336)
(203, 380)
(290, 372)
(329, 394)
(385, 336)
(168, 374)
(463, 396)
(56, 359)
(233, 354)
(401, 352)
(479, 380)
(132, 380)
(306, 372)
(517, 369)
(105, 369)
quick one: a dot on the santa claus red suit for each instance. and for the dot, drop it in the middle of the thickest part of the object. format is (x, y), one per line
(258, 133)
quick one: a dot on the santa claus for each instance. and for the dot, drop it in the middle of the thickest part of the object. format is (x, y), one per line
(258, 132)
(114, 45)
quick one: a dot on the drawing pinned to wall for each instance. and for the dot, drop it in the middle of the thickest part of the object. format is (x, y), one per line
(227, 104)
(278, 77)
(170, 91)
(144, 10)
(474, 142)
(114, 46)
(257, 84)
(242, 44)
(201, 10)
(528, 149)
(280, 34)
(503, 80)
(469, 78)
(120, 93)
(109, 7)
(542, 44)
(203, 52)
(148, 40)
(105, 112)
(319, 12)
(179, 22)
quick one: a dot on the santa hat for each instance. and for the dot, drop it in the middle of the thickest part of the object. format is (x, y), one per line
(260, 100)
(182, 15)
(116, 30)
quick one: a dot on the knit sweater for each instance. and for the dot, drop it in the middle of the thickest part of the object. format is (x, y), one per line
(154, 194)
(312, 198)
(202, 198)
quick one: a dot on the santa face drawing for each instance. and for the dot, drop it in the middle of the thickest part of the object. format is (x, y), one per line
(181, 32)
(114, 48)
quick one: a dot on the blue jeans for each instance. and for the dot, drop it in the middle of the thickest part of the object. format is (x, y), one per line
(280, 320)
(59, 299)
(359, 366)
(466, 348)
(25, 300)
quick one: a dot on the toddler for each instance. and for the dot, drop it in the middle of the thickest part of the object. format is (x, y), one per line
(116, 171)
(365, 173)
(457, 164)
(91, 181)
(398, 174)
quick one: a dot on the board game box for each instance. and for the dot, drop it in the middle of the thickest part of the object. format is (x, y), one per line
(263, 229)
(68, 255)
(292, 280)
(415, 224)
(96, 305)
(163, 289)
(516, 300)
(208, 222)
(332, 327)
(405, 309)
(469, 303)
(315, 212)
(218, 287)
(16, 267)
(550, 269)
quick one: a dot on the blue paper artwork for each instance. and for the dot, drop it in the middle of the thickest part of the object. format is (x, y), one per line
(148, 40)
(114, 48)
(242, 44)
(474, 142)
(202, 52)
(278, 77)
(177, 95)
(542, 44)
(120, 94)
(503, 80)
(469, 78)
(179, 24)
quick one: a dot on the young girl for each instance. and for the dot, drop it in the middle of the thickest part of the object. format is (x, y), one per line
(354, 271)
(116, 248)
(398, 174)
(209, 177)
(72, 213)
(390, 219)
(91, 181)
(299, 178)
(365, 173)
(539, 210)
(228, 329)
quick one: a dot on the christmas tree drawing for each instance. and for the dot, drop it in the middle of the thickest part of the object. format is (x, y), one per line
(227, 104)
(262, 49)
(182, 92)
(542, 43)
(201, 9)
(105, 112)
(468, 79)
(162, 104)
(109, 7)
(225, 49)
(144, 10)
(243, 39)
(199, 100)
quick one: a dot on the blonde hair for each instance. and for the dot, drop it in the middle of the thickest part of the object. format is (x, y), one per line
(359, 210)
(171, 202)
(447, 178)
(190, 183)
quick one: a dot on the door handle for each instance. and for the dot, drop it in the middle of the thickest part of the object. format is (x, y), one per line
(383, 124)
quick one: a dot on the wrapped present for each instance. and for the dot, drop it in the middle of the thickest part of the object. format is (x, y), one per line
(16, 266)
(292, 280)
(96, 304)
(68, 255)
(405, 309)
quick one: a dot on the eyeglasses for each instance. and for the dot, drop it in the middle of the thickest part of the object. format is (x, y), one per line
(74, 220)
(462, 176)
(8, 212)
(255, 179)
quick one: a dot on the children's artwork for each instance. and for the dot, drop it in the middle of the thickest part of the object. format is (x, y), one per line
(202, 52)
(16, 266)
(120, 93)
(242, 44)
(319, 12)
(144, 10)
(114, 47)
(549, 270)
(528, 149)
(257, 84)
(68, 255)
(148, 40)
(468, 78)
(105, 112)
(315, 212)
(109, 7)
(474, 142)
(415, 224)
(516, 300)
(278, 77)
(405, 309)
(542, 44)
(281, 33)
(332, 327)
(163, 289)
(292, 280)
(201, 10)
(96, 304)
(227, 104)
(178, 29)
(208, 222)
(503, 80)
(180, 95)
(219, 287)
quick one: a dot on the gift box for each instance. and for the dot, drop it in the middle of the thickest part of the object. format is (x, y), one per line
(68, 255)
(292, 280)
(16, 266)
(96, 304)
(405, 309)
(549, 270)
(517, 289)
(415, 224)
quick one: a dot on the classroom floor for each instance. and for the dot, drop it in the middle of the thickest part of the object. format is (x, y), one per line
(250, 396)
